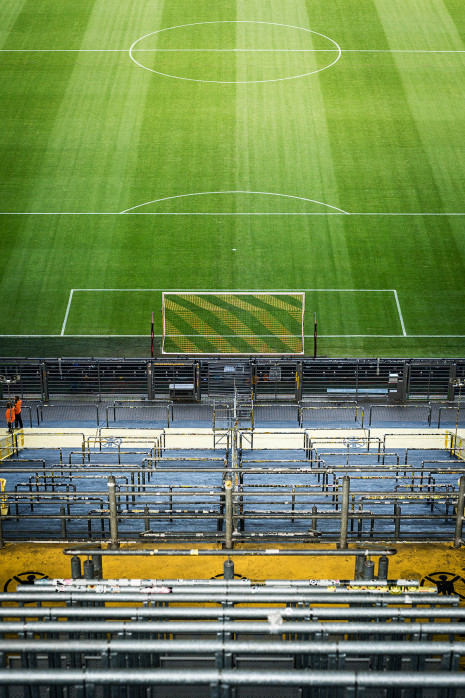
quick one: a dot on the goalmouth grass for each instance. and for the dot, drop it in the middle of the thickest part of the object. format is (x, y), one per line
(233, 323)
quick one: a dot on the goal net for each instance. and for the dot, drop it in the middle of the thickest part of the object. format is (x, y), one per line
(233, 323)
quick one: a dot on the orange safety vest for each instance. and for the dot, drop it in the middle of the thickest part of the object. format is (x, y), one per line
(18, 406)
(10, 414)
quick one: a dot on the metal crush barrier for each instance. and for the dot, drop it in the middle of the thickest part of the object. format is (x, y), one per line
(63, 412)
(294, 484)
(120, 636)
(7, 446)
(330, 414)
(451, 413)
(154, 411)
(405, 413)
(456, 446)
(182, 412)
(223, 504)
(263, 413)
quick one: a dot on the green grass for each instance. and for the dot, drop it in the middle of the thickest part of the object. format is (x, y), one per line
(379, 132)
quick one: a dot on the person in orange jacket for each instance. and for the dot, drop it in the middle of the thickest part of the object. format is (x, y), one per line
(18, 418)
(10, 416)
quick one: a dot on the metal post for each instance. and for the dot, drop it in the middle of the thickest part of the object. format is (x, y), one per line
(228, 569)
(459, 515)
(298, 381)
(383, 567)
(99, 384)
(368, 572)
(89, 572)
(397, 514)
(358, 567)
(344, 511)
(228, 513)
(43, 381)
(406, 375)
(113, 513)
(97, 562)
(1, 531)
(146, 518)
(253, 374)
(76, 567)
(197, 382)
(150, 381)
(460, 383)
(314, 519)
(63, 522)
(451, 386)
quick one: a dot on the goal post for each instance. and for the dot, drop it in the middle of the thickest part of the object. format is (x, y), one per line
(233, 322)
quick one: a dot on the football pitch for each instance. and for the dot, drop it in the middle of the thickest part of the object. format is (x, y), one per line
(312, 146)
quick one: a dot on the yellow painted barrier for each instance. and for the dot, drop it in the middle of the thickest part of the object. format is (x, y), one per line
(6, 446)
(3, 504)
(456, 445)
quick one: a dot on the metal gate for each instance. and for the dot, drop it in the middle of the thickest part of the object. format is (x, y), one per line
(225, 376)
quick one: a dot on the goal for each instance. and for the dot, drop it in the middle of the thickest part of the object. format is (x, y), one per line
(232, 322)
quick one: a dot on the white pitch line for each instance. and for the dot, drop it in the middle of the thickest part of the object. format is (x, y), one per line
(235, 191)
(258, 50)
(249, 291)
(326, 336)
(223, 213)
(400, 313)
(225, 292)
(67, 312)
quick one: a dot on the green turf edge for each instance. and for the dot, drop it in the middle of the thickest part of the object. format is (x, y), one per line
(129, 347)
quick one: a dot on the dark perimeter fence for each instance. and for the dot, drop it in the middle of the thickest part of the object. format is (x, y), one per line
(191, 379)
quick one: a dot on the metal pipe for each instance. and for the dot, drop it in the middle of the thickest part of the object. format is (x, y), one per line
(294, 677)
(197, 597)
(136, 645)
(460, 512)
(113, 513)
(47, 584)
(344, 512)
(63, 522)
(105, 467)
(247, 627)
(101, 615)
(151, 552)
(228, 514)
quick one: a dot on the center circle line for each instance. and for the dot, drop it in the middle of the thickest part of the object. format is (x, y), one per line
(234, 82)
(236, 191)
